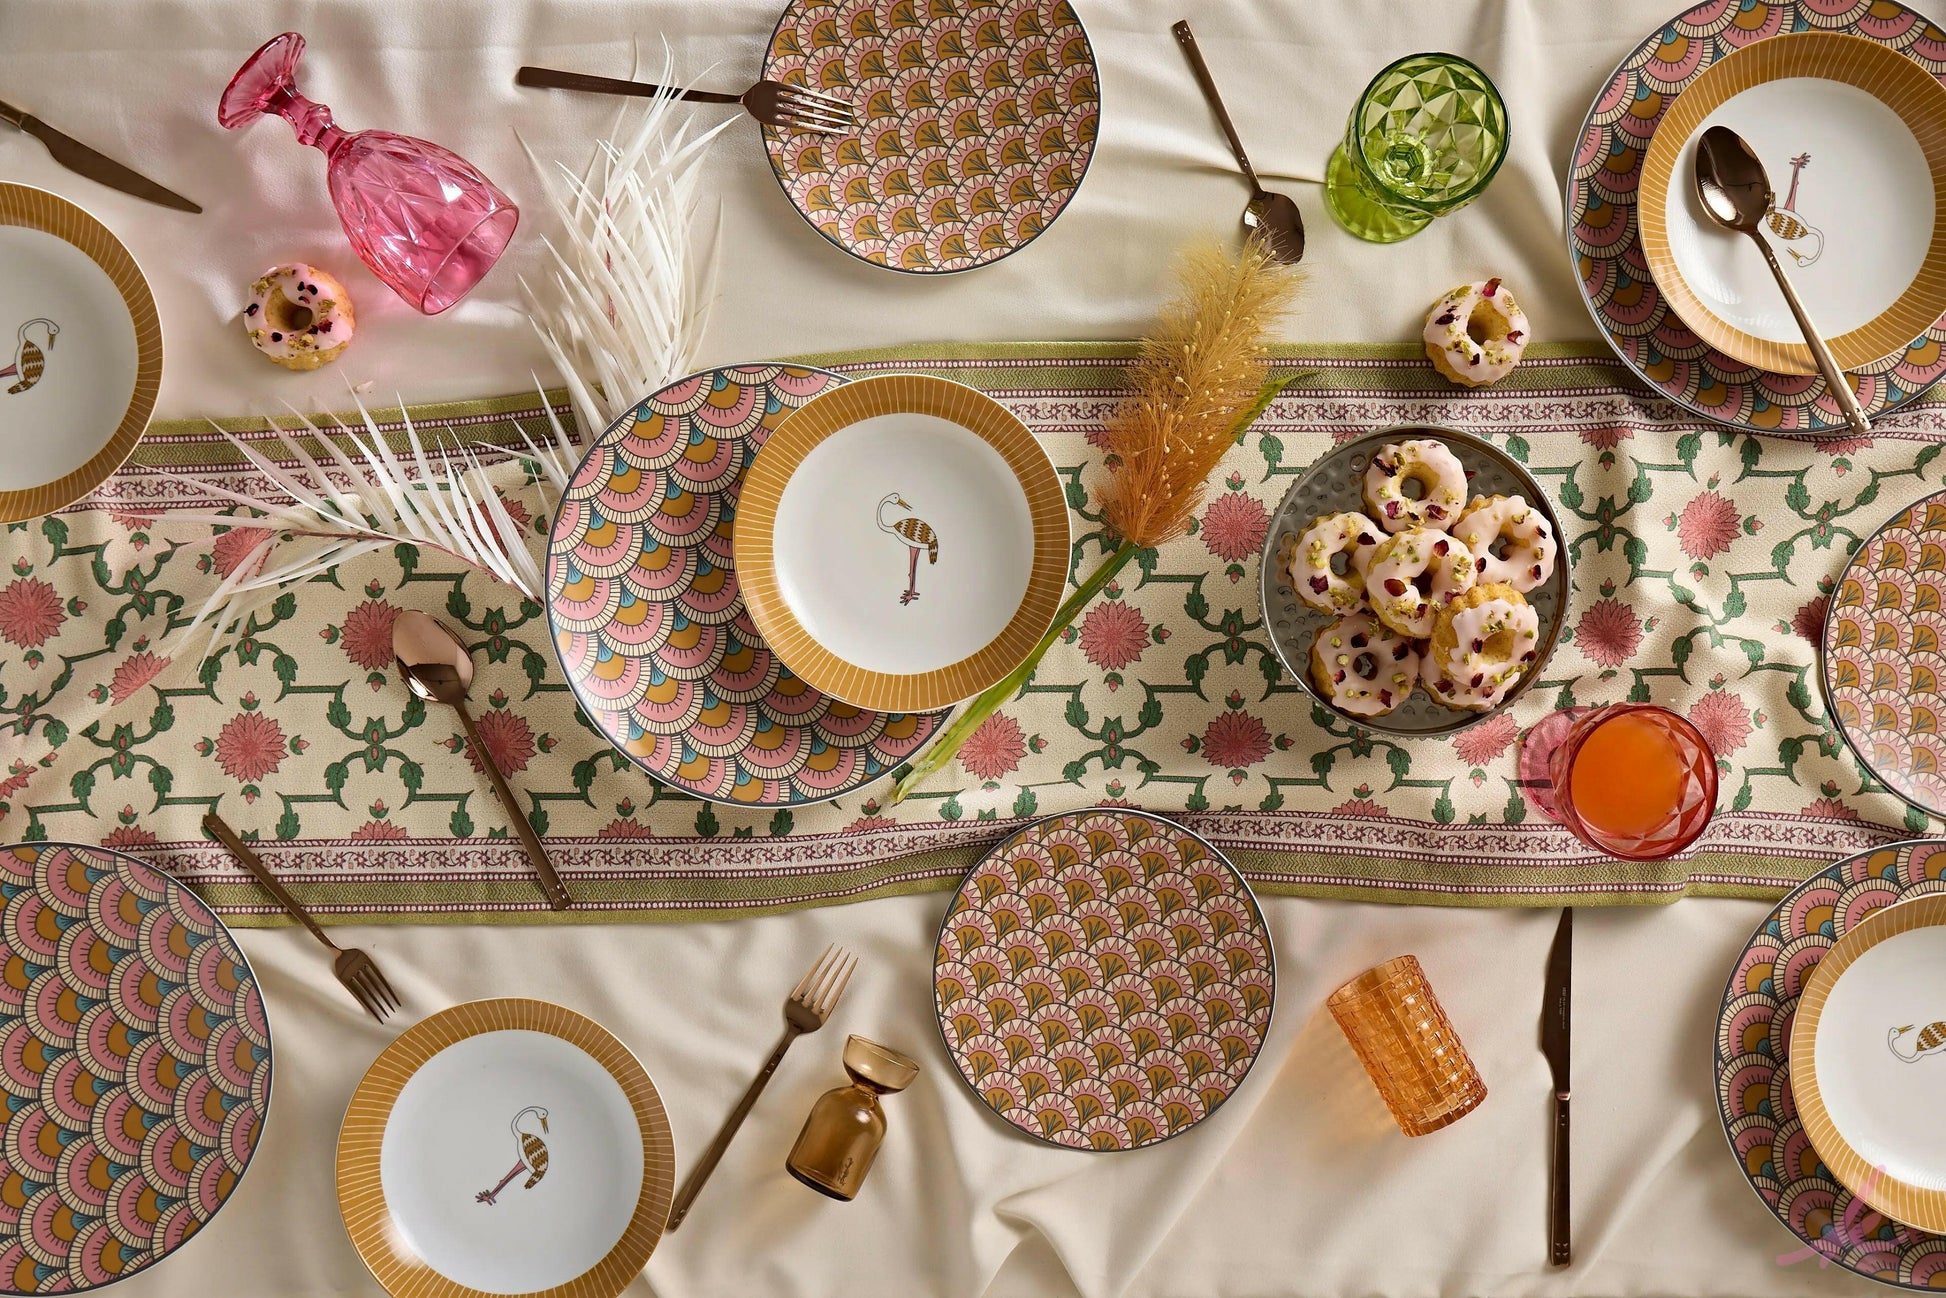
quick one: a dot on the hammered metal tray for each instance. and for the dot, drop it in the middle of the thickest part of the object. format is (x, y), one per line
(1333, 485)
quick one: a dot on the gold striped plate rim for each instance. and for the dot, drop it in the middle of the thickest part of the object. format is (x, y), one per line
(36, 209)
(1882, 72)
(361, 1194)
(1900, 1200)
(756, 522)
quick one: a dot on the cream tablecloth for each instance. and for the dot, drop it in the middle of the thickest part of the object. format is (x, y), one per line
(1299, 1185)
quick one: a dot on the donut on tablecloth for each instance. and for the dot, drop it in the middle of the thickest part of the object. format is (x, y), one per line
(1476, 333)
(299, 317)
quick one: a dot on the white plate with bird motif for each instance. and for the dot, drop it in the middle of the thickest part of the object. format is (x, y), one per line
(902, 542)
(80, 353)
(505, 1147)
(1852, 135)
(1868, 1061)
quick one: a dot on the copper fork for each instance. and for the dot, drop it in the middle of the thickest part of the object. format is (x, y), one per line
(805, 1010)
(774, 103)
(354, 968)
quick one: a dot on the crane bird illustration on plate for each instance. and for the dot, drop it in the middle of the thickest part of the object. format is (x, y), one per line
(533, 1154)
(915, 533)
(30, 358)
(1794, 230)
(1931, 1040)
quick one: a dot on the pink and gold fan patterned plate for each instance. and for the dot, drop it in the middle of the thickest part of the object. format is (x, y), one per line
(1604, 236)
(1104, 979)
(135, 1053)
(649, 620)
(1754, 1096)
(1885, 654)
(976, 123)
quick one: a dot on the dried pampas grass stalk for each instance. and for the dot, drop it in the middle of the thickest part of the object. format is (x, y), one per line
(1199, 370)
(1198, 385)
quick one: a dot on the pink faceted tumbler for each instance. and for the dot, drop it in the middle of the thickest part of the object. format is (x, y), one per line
(423, 218)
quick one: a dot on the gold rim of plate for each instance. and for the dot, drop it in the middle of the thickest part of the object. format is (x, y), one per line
(361, 1194)
(1902, 1201)
(839, 408)
(1880, 71)
(37, 209)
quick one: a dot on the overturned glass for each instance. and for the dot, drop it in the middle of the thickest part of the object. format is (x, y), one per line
(841, 1137)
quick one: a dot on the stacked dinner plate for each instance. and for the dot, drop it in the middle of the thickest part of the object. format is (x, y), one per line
(904, 544)
(785, 627)
(1845, 110)
(1830, 1062)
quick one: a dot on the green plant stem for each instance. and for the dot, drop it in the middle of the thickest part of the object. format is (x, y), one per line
(947, 746)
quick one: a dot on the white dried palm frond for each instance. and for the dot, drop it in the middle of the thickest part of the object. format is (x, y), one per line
(341, 508)
(556, 457)
(631, 281)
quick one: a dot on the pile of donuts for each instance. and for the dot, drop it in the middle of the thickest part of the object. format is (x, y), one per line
(1431, 590)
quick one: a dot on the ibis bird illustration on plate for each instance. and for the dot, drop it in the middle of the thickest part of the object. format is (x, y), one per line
(916, 534)
(32, 343)
(1930, 1041)
(533, 1153)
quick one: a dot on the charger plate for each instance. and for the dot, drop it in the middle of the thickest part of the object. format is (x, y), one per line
(1604, 177)
(135, 1056)
(1884, 661)
(1869, 1014)
(902, 542)
(1754, 1095)
(1104, 979)
(1838, 116)
(505, 1147)
(80, 353)
(648, 617)
(976, 125)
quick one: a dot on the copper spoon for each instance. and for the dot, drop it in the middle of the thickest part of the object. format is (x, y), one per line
(1273, 216)
(1735, 191)
(437, 668)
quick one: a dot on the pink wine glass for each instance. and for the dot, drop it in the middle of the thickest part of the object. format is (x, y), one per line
(423, 218)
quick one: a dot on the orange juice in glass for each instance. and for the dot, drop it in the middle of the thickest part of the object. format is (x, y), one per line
(1634, 780)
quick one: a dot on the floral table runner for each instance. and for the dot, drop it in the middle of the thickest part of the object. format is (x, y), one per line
(1703, 561)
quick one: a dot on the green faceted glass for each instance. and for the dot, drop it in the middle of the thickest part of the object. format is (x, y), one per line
(1423, 140)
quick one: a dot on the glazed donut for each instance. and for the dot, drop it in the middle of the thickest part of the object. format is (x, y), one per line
(1414, 575)
(1481, 643)
(1476, 333)
(1518, 530)
(1361, 668)
(299, 316)
(1354, 536)
(1437, 471)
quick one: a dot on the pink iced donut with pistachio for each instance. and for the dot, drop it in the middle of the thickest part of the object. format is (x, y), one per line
(1315, 575)
(1414, 575)
(1417, 483)
(1510, 540)
(1361, 668)
(1476, 333)
(299, 317)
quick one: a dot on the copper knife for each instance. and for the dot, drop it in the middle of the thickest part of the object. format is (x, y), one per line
(84, 161)
(1557, 1018)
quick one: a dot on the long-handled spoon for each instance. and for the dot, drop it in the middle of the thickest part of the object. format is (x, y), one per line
(1735, 191)
(438, 669)
(1272, 215)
